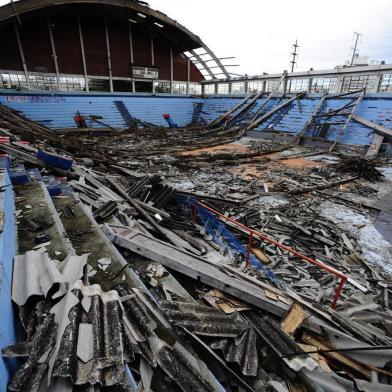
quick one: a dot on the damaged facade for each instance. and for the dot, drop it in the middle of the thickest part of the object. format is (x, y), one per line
(186, 243)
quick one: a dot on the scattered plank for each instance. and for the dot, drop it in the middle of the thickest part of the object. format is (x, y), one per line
(370, 124)
(294, 319)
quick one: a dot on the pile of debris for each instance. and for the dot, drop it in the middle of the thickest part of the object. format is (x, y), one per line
(190, 277)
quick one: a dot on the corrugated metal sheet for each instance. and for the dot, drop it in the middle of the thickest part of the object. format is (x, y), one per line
(204, 320)
(90, 335)
(242, 351)
(234, 337)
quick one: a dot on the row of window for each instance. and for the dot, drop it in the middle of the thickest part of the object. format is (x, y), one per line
(318, 85)
(50, 82)
(350, 83)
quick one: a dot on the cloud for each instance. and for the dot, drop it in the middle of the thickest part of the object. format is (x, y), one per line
(260, 34)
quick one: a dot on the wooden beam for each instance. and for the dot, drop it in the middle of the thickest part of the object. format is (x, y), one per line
(294, 319)
(317, 108)
(341, 132)
(270, 95)
(336, 356)
(370, 124)
(228, 113)
(374, 148)
(273, 111)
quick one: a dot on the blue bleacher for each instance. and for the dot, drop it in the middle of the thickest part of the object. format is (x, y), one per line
(58, 110)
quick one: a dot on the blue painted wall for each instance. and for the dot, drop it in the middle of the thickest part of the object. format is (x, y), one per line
(7, 253)
(57, 110)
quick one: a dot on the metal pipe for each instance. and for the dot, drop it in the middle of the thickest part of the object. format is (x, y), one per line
(339, 289)
(250, 242)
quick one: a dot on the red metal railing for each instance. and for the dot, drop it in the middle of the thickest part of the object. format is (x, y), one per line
(253, 233)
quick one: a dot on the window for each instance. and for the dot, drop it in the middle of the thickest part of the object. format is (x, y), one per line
(72, 84)
(179, 88)
(43, 82)
(238, 88)
(254, 87)
(195, 88)
(223, 88)
(324, 85)
(98, 85)
(162, 87)
(12, 80)
(358, 82)
(297, 85)
(272, 84)
(386, 83)
(209, 89)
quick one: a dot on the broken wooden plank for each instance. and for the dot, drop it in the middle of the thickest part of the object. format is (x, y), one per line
(261, 255)
(274, 110)
(224, 116)
(270, 95)
(360, 368)
(347, 242)
(341, 132)
(370, 124)
(375, 146)
(323, 186)
(294, 319)
(317, 108)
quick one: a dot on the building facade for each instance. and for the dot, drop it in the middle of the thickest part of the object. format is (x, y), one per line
(111, 45)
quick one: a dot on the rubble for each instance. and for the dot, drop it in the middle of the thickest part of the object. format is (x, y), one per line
(201, 261)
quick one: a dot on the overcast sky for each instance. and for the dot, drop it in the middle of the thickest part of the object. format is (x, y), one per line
(260, 33)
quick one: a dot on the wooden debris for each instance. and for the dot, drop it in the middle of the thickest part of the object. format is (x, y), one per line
(294, 319)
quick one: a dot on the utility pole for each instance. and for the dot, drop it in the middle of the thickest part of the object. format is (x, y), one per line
(294, 54)
(357, 35)
(293, 61)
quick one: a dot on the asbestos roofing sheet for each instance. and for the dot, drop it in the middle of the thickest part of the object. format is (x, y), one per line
(34, 274)
(204, 320)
